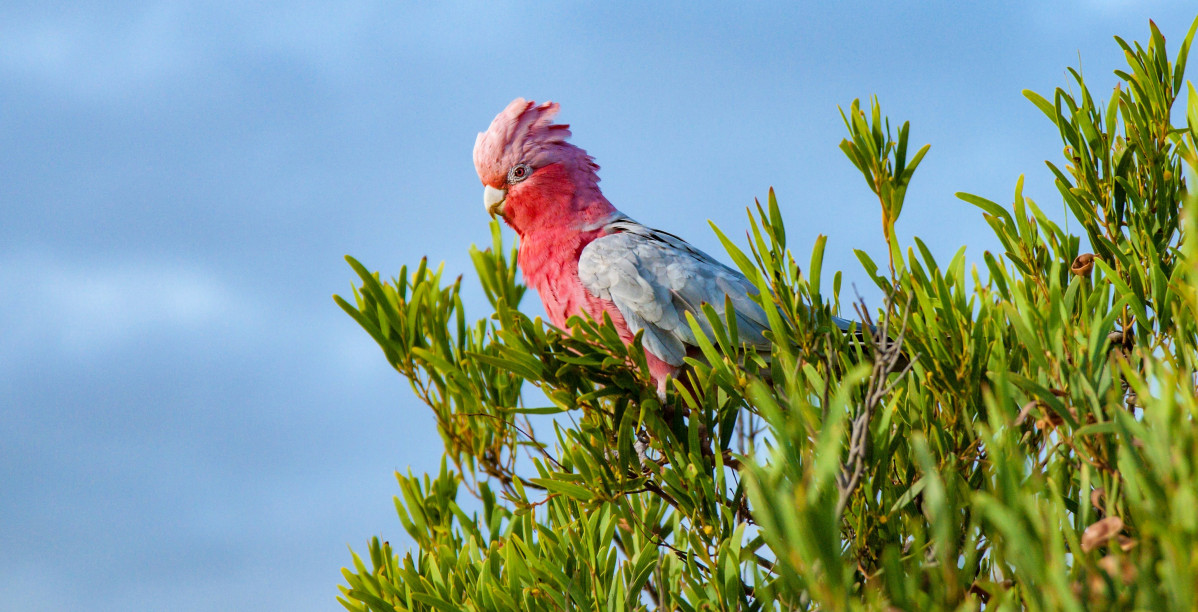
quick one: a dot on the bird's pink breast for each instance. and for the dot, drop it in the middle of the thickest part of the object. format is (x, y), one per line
(549, 262)
(547, 211)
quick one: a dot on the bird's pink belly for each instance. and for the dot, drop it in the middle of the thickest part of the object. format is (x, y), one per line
(564, 296)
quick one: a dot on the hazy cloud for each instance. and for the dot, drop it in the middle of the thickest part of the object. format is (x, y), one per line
(90, 307)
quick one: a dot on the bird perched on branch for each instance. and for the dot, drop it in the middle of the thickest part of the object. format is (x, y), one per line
(582, 255)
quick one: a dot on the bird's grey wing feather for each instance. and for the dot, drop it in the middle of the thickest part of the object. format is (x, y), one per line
(654, 279)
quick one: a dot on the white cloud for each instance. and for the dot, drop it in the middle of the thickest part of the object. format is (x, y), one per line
(122, 53)
(97, 53)
(114, 53)
(87, 307)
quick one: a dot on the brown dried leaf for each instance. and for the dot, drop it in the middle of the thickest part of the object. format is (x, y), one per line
(981, 593)
(1097, 534)
(1126, 543)
(1098, 500)
(1120, 568)
(1023, 412)
(1051, 418)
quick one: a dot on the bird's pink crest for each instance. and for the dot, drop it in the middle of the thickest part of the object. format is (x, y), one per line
(524, 132)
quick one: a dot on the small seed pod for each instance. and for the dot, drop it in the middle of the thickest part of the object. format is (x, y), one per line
(1122, 342)
(1083, 264)
(1126, 336)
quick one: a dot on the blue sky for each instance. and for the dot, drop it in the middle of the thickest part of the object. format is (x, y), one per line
(188, 422)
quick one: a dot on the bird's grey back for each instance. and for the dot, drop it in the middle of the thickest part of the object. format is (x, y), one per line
(654, 278)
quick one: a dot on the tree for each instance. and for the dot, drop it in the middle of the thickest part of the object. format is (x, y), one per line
(1019, 435)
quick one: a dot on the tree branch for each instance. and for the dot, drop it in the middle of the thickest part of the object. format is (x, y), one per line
(888, 354)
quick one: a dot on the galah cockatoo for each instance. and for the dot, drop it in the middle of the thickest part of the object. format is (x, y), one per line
(582, 255)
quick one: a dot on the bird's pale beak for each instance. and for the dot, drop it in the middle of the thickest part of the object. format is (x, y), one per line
(493, 200)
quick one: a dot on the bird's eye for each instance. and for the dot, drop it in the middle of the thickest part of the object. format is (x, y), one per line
(518, 173)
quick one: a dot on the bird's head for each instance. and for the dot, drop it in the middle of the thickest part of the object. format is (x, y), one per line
(533, 177)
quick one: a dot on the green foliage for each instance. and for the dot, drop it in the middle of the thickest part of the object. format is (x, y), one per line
(1038, 451)
(883, 162)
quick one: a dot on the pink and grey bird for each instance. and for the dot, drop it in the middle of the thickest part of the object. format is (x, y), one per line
(582, 255)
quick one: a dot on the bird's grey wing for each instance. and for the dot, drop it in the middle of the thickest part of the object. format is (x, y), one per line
(654, 279)
(750, 317)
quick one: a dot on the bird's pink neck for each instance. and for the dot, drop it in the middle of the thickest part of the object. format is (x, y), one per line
(556, 199)
(556, 218)
(549, 264)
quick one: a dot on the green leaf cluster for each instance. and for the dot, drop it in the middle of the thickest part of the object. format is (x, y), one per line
(1032, 447)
